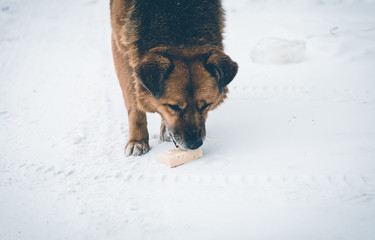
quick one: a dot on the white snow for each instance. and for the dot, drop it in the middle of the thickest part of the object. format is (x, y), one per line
(278, 51)
(289, 155)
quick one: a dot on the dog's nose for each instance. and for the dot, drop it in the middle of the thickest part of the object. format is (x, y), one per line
(194, 144)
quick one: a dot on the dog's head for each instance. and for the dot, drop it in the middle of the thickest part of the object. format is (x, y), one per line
(183, 86)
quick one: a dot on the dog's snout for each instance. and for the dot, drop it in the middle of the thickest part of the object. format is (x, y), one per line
(194, 144)
(193, 138)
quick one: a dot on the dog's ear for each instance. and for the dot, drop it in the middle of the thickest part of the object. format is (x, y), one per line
(222, 67)
(152, 72)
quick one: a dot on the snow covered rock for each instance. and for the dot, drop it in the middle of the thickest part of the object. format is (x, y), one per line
(278, 51)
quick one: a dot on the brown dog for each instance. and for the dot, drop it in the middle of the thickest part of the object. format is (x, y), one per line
(169, 59)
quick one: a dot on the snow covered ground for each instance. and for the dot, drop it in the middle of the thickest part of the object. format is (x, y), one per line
(297, 162)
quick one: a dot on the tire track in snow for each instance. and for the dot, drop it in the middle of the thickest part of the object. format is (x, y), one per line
(353, 185)
(275, 92)
(128, 175)
(230, 180)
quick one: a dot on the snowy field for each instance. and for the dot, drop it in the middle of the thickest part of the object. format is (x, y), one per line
(290, 154)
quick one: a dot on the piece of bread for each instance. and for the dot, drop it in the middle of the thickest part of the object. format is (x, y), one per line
(177, 156)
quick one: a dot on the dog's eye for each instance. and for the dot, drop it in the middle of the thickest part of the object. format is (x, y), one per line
(204, 107)
(174, 107)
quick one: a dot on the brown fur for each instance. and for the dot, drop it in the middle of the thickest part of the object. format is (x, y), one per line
(153, 78)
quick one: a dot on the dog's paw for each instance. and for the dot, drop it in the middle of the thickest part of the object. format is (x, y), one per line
(136, 148)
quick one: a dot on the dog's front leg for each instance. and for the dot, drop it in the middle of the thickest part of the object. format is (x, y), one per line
(164, 135)
(138, 134)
